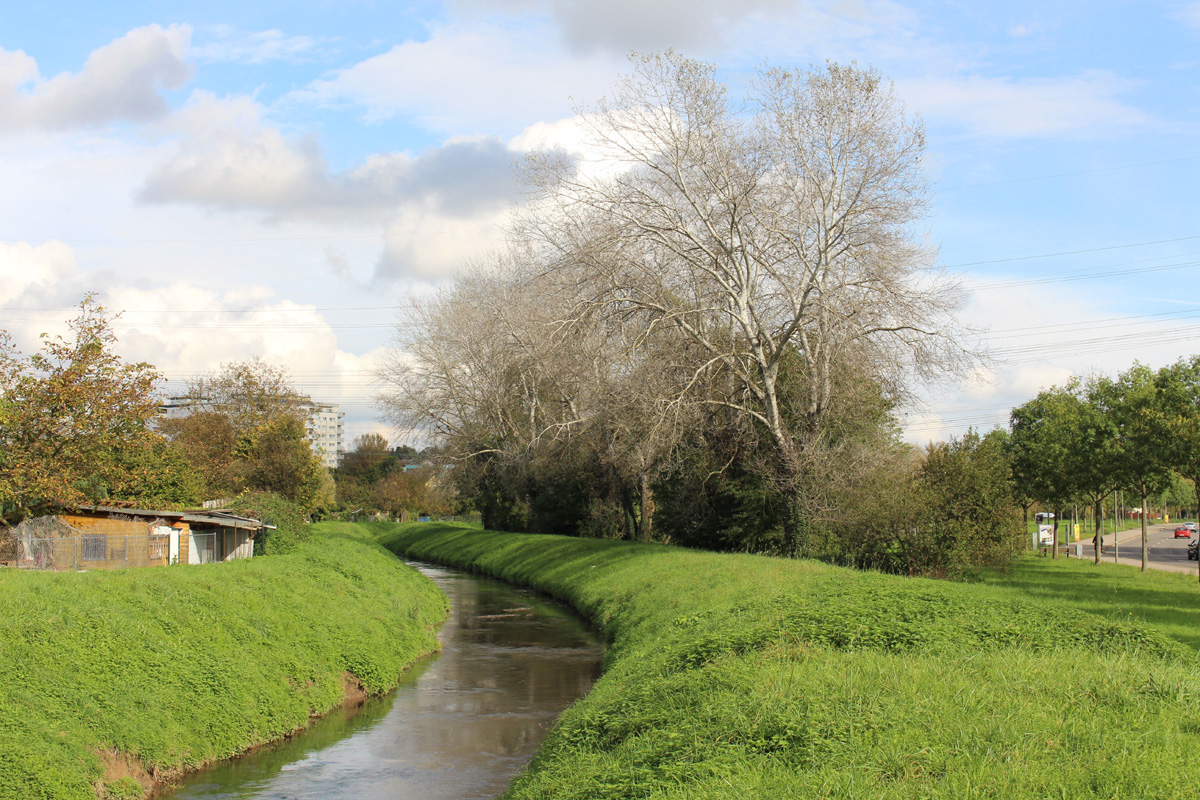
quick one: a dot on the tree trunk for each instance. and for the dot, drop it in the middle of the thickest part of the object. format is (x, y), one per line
(1097, 528)
(1054, 543)
(647, 503)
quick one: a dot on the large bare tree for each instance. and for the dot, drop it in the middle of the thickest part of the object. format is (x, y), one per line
(776, 235)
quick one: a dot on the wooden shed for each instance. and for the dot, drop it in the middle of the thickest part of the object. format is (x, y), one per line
(109, 537)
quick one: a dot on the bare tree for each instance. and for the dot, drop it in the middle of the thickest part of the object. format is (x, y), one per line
(759, 258)
(775, 236)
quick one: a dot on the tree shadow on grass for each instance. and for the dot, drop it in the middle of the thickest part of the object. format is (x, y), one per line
(1167, 601)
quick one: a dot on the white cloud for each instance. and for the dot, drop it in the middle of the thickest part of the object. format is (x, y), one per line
(121, 81)
(423, 245)
(483, 80)
(24, 267)
(1088, 104)
(226, 44)
(619, 26)
(228, 159)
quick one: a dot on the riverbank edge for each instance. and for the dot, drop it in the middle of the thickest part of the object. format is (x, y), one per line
(637, 733)
(278, 608)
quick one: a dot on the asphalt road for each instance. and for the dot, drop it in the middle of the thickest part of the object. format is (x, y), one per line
(1165, 551)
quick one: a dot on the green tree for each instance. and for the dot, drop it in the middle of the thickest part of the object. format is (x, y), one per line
(1179, 393)
(967, 496)
(1096, 455)
(248, 429)
(277, 457)
(1145, 435)
(1044, 446)
(66, 413)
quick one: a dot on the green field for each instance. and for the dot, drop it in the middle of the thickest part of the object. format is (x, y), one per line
(112, 680)
(743, 676)
(1169, 601)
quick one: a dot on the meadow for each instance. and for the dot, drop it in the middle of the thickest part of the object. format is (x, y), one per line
(112, 683)
(746, 676)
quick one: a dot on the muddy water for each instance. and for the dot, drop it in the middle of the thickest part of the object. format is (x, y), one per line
(460, 725)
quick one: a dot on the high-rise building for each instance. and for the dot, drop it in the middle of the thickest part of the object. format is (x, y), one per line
(325, 431)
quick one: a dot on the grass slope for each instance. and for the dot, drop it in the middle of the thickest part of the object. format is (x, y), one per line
(109, 679)
(743, 676)
(1170, 601)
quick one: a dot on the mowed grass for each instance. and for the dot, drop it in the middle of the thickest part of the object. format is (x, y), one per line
(742, 676)
(106, 674)
(1168, 601)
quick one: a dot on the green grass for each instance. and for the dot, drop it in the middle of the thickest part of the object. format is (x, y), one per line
(170, 668)
(744, 676)
(1168, 601)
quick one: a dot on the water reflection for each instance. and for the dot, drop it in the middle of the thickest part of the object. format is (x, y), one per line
(459, 726)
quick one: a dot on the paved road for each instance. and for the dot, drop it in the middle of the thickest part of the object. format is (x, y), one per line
(1165, 551)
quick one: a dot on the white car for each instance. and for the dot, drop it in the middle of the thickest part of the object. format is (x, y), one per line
(1191, 526)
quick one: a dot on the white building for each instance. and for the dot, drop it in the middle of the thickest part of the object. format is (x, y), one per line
(326, 431)
(325, 427)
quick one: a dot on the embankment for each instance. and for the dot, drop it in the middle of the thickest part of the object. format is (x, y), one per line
(743, 676)
(112, 682)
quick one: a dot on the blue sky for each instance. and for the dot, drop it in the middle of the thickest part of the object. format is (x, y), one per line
(309, 166)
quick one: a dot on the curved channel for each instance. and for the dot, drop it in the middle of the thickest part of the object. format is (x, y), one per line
(460, 725)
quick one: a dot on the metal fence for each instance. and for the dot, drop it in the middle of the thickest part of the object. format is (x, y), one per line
(97, 551)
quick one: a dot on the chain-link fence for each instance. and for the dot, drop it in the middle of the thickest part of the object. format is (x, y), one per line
(51, 543)
(92, 551)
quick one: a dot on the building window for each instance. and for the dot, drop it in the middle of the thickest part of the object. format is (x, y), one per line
(93, 546)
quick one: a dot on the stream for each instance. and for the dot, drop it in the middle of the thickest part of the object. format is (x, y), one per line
(460, 724)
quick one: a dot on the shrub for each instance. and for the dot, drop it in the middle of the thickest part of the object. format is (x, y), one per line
(272, 509)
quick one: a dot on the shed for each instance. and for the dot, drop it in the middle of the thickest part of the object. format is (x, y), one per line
(112, 537)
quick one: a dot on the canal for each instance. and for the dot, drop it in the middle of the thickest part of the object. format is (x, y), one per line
(460, 724)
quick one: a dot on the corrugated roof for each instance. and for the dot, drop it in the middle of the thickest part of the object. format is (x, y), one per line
(220, 517)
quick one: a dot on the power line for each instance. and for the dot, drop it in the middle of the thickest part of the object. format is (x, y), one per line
(1071, 252)
(1080, 275)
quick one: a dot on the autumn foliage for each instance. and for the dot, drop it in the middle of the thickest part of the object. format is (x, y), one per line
(74, 422)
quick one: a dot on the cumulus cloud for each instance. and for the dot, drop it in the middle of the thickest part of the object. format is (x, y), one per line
(25, 268)
(121, 81)
(1084, 105)
(228, 159)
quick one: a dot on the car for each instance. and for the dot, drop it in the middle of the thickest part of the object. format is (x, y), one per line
(1182, 532)
(1193, 549)
(1192, 526)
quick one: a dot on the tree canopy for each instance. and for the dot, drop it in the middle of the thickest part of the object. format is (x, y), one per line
(74, 422)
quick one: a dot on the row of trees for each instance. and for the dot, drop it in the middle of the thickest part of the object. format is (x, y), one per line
(1092, 437)
(699, 332)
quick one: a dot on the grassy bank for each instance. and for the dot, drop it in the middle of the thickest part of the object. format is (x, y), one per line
(1169, 601)
(742, 676)
(110, 681)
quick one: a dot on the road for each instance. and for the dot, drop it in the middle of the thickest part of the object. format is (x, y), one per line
(1165, 551)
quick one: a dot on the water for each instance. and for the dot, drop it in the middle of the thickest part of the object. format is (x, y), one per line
(460, 725)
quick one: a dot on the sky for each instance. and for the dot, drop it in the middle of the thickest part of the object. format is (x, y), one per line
(278, 179)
